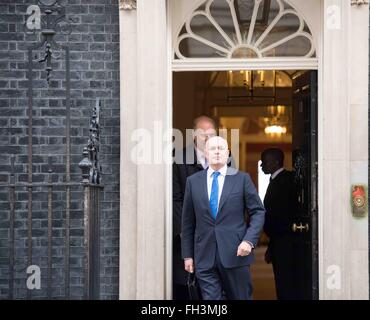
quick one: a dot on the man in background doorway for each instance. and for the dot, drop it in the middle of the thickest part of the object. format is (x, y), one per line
(281, 205)
(187, 162)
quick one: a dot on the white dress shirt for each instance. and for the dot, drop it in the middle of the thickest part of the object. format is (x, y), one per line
(274, 175)
(220, 179)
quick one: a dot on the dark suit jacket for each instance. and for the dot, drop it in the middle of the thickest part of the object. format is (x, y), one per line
(201, 233)
(281, 205)
(184, 166)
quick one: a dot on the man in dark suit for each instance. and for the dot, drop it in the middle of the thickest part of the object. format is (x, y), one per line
(280, 204)
(217, 243)
(187, 162)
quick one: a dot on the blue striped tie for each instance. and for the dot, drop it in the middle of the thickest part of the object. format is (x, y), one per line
(213, 200)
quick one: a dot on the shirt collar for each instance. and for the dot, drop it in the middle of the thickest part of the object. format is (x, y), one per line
(222, 171)
(273, 176)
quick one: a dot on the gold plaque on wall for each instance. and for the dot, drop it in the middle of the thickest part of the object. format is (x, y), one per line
(359, 200)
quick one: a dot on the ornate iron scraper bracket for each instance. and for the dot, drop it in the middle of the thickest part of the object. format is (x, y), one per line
(53, 21)
(90, 166)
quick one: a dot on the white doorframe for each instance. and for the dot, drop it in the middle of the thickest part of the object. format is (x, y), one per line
(169, 215)
(217, 64)
(245, 64)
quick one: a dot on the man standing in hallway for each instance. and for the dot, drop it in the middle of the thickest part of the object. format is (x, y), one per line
(187, 162)
(281, 204)
(217, 243)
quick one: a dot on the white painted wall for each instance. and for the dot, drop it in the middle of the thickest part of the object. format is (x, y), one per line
(143, 45)
(128, 170)
(344, 239)
(358, 105)
(343, 144)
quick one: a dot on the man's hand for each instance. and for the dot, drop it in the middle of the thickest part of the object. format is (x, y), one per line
(244, 249)
(189, 265)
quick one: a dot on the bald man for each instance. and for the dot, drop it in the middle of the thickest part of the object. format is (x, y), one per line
(217, 244)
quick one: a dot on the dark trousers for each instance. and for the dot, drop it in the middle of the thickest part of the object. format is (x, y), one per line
(180, 289)
(219, 283)
(284, 269)
(180, 292)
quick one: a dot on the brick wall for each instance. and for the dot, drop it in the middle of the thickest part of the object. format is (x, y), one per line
(94, 52)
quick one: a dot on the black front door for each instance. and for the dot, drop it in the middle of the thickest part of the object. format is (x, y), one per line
(305, 222)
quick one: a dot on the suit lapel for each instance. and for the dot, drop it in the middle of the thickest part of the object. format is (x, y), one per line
(229, 182)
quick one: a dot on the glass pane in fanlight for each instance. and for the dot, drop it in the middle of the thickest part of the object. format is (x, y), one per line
(272, 11)
(287, 25)
(220, 11)
(244, 10)
(195, 49)
(296, 47)
(265, 10)
(306, 29)
(201, 26)
(183, 47)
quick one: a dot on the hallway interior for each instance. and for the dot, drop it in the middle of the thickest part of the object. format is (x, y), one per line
(262, 276)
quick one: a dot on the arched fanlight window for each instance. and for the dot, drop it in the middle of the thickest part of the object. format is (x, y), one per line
(244, 29)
